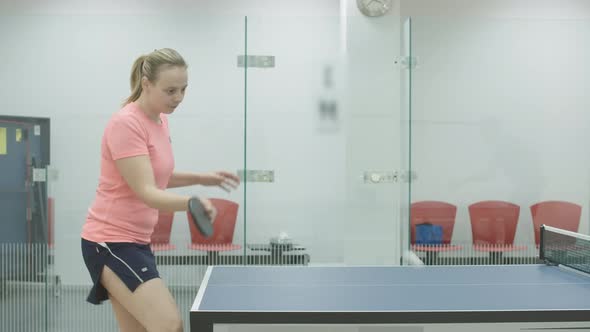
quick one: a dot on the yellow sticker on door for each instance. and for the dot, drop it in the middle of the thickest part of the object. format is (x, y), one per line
(19, 134)
(2, 140)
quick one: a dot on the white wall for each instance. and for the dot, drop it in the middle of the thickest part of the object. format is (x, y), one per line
(545, 9)
(499, 106)
(69, 60)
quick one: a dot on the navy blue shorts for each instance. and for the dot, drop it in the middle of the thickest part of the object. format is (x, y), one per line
(133, 263)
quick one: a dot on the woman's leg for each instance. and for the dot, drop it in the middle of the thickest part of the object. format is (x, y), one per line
(151, 304)
(127, 323)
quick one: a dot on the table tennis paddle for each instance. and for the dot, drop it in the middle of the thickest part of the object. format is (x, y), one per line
(199, 216)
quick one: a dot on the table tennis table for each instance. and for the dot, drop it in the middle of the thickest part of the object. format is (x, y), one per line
(363, 295)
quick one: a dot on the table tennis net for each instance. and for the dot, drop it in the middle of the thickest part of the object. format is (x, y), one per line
(565, 248)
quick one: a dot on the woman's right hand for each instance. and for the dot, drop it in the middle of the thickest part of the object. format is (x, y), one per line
(209, 208)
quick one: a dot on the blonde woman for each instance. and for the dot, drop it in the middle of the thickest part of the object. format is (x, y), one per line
(137, 165)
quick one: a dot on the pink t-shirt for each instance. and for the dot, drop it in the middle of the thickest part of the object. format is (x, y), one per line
(117, 214)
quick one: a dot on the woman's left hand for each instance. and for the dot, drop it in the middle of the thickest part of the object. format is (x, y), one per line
(225, 180)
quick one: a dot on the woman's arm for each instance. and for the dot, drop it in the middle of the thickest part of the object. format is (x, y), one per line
(137, 172)
(227, 181)
(181, 179)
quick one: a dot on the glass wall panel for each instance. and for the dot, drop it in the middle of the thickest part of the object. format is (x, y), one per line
(322, 141)
(74, 69)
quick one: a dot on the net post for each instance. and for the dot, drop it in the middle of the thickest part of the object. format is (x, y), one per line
(542, 244)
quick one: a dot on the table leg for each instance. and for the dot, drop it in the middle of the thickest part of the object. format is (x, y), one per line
(201, 326)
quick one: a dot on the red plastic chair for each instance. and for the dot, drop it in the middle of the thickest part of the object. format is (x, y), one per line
(436, 213)
(160, 239)
(223, 229)
(559, 214)
(493, 226)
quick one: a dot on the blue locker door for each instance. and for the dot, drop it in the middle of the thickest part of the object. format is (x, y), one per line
(15, 186)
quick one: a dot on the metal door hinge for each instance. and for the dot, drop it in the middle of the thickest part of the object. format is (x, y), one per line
(253, 175)
(256, 61)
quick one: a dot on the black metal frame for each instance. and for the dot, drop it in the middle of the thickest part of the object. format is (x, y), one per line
(542, 244)
(204, 321)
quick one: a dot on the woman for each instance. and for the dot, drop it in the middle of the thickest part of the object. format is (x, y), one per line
(137, 165)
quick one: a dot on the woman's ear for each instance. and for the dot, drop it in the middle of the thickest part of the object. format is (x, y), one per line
(145, 83)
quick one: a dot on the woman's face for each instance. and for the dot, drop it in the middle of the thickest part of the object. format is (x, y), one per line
(167, 92)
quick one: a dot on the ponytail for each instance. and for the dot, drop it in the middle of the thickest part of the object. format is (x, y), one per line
(135, 79)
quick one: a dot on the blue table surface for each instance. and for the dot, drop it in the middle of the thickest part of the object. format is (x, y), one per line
(427, 288)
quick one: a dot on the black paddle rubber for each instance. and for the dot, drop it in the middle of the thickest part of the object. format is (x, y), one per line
(199, 217)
